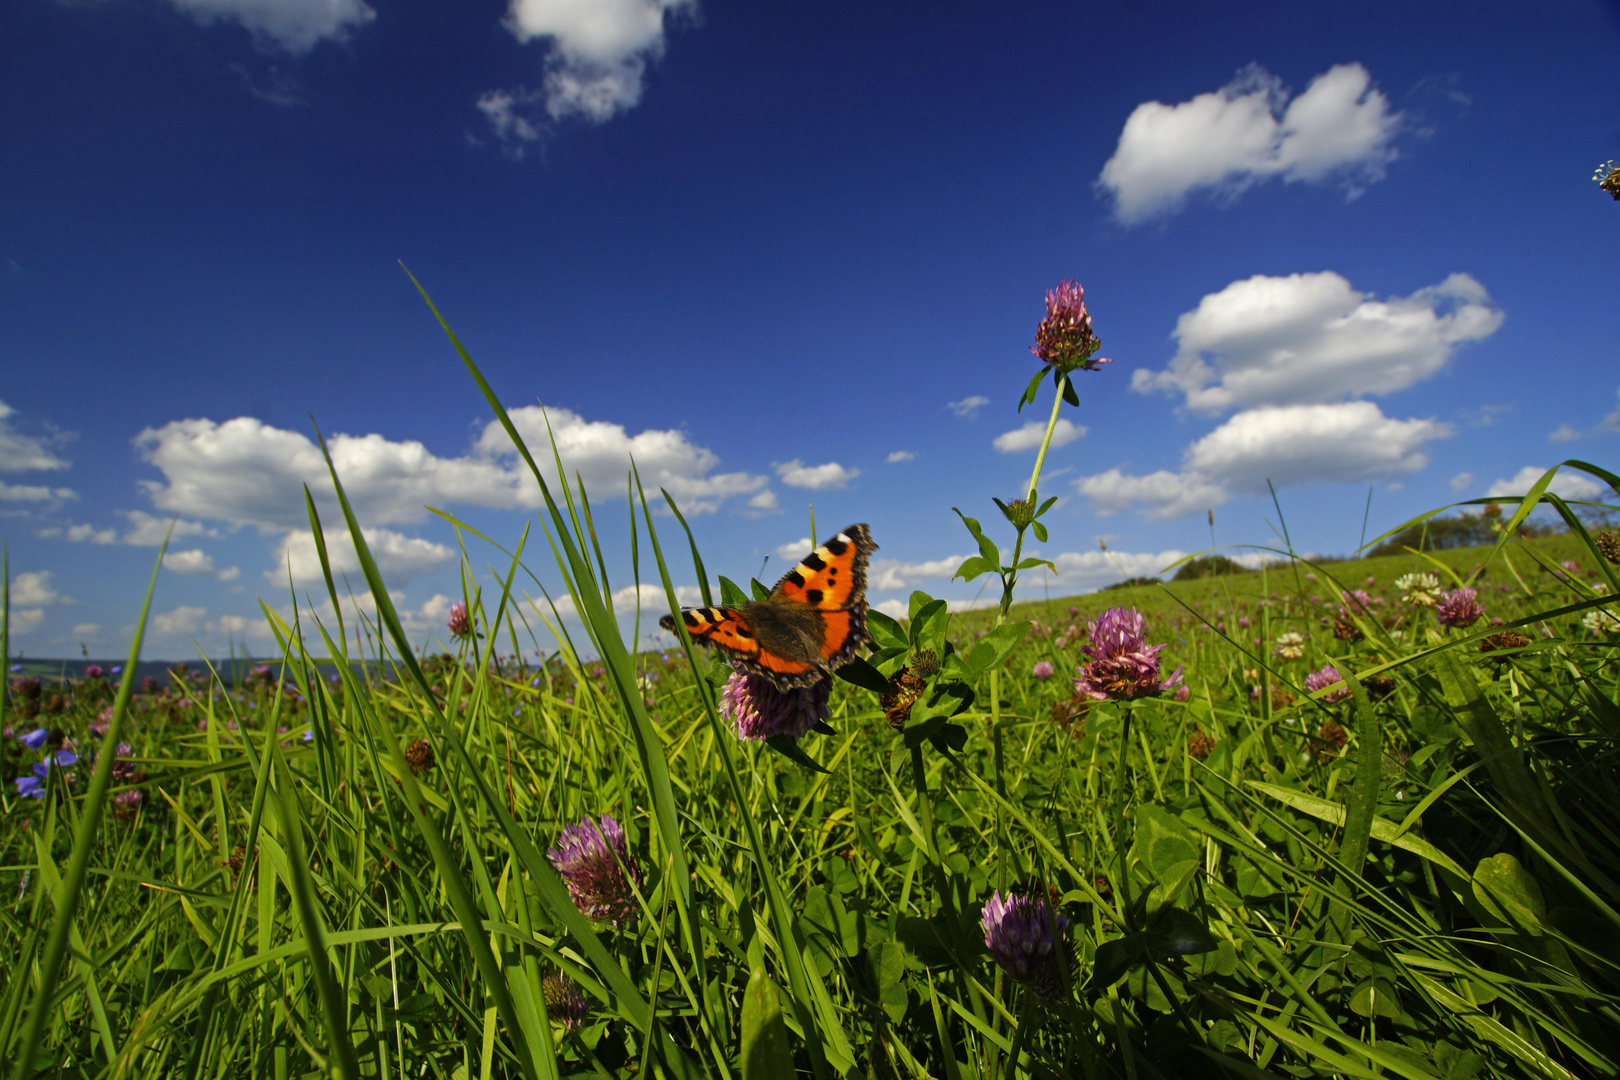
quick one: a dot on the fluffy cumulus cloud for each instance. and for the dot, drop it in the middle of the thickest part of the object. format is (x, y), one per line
(1294, 444)
(246, 472)
(294, 25)
(884, 575)
(33, 589)
(897, 456)
(797, 474)
(1340, 129)
(795, 551)
(19, 453)
(597, 53)
(1461, 481)
(1076, 572)
(1030, 435)
(179, 622)
(1314, 338)
(1567, 484)
(198, 563)
(399, 558)
(969, 406)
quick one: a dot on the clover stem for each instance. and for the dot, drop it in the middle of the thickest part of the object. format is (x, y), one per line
(1119, 805)
(1051, 426)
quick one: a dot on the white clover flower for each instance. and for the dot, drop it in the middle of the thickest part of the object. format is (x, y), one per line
(1291, 646)
(1419, 588)
(1599, 621)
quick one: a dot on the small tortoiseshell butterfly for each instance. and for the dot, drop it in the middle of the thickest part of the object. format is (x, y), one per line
(812, 621)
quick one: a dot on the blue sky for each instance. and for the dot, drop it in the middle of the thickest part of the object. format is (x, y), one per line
(780, 253)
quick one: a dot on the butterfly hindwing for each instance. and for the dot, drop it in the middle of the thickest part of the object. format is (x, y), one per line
(833, 576)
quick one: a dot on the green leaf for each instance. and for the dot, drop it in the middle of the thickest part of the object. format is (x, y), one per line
(995, 647)
(1115, 958)
(788, 747)
(887, 661)
(731, 595)
(887, 963)
(928, 624)
(1069, 393)
(1169, 887)
(1178, 933)
(1032, 561)
(1375, 997)
(858, 672)
(972, 567)
(949, 737)
(886, 632)
(1033, 389)
(767, 1051)
(1047, 505)
(1040, 531)
(971, 523)
(1162, 840)
(1506, 890)
(759, 589)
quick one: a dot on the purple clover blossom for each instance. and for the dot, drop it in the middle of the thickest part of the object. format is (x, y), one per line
(1123, 666)
(460, 623)
(759, 710)
(1043, 670)
(1329, 675)
(1357, 600)
(1459, 608)
(35, 739)
(565, 1002)
(1024, 935)
(93, 671)
(598, 870)
(1064, 339)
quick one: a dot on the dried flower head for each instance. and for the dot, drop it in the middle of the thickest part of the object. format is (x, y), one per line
(1290, 646)
(1024, 935)
(1064, 339)
(905, 687)
(1608, 544)
(1123, 666)
(1459, 608)
(759, 709)
(598, 870)
(1325, 677)
(126, 804)
(1199, 744)
(1608, 178)
(419, 756)
(1503, 639)
(459, 623)
(566, 1003)
(1330, 740)
(1345, 628)
(1071, 715)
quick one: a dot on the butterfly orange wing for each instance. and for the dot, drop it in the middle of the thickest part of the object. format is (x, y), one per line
(832, 579)
(727, 630)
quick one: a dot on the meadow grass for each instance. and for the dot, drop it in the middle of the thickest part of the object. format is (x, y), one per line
(1409, 870)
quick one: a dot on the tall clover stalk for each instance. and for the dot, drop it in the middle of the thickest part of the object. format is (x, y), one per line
(1065, 343)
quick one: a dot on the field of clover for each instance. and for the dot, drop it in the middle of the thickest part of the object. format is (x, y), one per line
(1319, 818)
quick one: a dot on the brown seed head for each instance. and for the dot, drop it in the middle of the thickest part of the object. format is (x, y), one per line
(419, 755)
(1330, 740)
(1199, 744)
(1608, 542)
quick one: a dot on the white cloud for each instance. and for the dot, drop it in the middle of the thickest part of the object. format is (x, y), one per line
(398, 557)
(894, 609)
(81, 533)
(968, 407)
(33, 589)
(795, 551)
(198, 563)
(511, 128)
(901, 455)
(1296, 444)
(1313, 338)
(1567, 484)
(295, 25)
(885, 575)
(86, 629)
(652, 599)
(149, 530)
(26, 620)
(24, 453)
(1086, 570)
(182, 620)
(245, 472)
(1565, 433)
(1460, 482)
(797, 474)
(596, 58)
(762, 503)
(1030, 435)
(34, 493)
(231, 625)
(1340, 128)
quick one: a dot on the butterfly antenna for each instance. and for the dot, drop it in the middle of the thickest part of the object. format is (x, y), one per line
(762, 566)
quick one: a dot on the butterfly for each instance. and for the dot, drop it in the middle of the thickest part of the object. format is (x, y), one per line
(811, 623)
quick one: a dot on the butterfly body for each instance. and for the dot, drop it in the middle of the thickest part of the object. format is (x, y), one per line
(811, 623)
